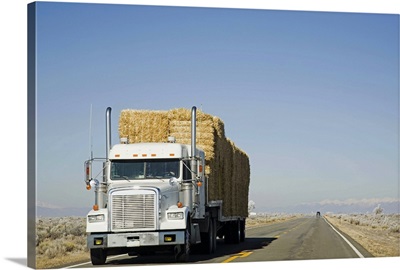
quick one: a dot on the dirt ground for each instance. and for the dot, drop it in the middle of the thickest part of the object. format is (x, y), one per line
(61, 261)
(380, 242)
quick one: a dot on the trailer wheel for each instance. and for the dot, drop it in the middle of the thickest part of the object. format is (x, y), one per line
(98, 256)
(214, 238)
(242, 230)
(232, 235)
(236, 231)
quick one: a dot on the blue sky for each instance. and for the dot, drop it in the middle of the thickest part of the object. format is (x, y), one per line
(312, 97)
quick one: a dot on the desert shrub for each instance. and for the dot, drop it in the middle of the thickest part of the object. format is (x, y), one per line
(55, 248)
(395, 228)
(69, 246)
(354, 221)
(378, 210)
(76, 230)
(58, 231)
(388, 222)
(58, 236)
(42, 247)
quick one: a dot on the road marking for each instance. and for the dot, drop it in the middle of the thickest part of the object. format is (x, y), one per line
(80, 264)
(288, 231)
(239, 255)
(347, 241)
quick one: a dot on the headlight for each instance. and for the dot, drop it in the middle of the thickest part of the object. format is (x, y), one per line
(175, 215)
(95, 218)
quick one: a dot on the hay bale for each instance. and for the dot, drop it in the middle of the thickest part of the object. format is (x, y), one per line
(227, 167)
(144, 126)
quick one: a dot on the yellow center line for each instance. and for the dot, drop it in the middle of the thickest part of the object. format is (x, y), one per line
(239, 255)
(247, 253)
(288, 231)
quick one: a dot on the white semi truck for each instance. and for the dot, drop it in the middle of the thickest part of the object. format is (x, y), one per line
(153, 197)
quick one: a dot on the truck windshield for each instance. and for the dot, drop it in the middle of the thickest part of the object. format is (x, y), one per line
(144, 169)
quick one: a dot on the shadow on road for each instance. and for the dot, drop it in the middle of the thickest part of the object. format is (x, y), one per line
(250, 244)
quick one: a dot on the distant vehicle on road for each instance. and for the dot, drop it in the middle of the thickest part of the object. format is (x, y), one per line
(318, 214)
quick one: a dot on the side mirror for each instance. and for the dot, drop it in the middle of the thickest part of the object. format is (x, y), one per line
(88, 171)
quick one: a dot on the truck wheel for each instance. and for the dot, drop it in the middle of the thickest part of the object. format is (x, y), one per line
(242, 230)
(232, 235)
(183, 252)
(98, 256)
(228, 237)
(208, 238)
(214, 237)
(236, 231)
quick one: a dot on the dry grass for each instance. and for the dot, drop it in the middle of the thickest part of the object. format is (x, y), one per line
(379, 234)
(60, 241)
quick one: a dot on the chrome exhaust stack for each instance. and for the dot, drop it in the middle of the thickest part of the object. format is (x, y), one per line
(108, 132)
(187, 187)
(193, 138)
(101, 187)
(193, 161)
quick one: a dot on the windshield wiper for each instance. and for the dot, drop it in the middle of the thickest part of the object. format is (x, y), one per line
(126, 178)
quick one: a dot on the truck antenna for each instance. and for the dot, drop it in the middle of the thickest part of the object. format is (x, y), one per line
(90, 134)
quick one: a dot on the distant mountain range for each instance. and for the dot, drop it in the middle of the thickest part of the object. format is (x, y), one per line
(351, 206)
(42, 211)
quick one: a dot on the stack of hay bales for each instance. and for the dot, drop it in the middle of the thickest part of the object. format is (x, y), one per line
(227, 167)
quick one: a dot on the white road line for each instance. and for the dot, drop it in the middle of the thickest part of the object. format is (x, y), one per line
(347, 241)
(80, 264)
(76, 265)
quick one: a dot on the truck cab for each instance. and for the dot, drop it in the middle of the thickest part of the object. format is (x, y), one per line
(147, 200)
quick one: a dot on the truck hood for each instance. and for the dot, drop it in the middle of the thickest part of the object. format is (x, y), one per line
(163, 185)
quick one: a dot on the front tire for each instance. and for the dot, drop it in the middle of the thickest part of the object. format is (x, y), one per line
(183, 253)
(98, 256)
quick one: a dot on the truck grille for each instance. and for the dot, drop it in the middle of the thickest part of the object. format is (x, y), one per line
(133, 211)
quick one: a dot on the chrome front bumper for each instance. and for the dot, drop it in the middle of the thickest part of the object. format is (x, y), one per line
(110, 240)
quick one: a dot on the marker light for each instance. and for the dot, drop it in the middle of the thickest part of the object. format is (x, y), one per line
(175, 215)
(96, 218)
(179, 204)
(169, 238)
(88, 167)
(95, 207)
(199, 184)
(88, 187)
(98, 241)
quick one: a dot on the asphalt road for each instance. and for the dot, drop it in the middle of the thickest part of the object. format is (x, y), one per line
(308, 238)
